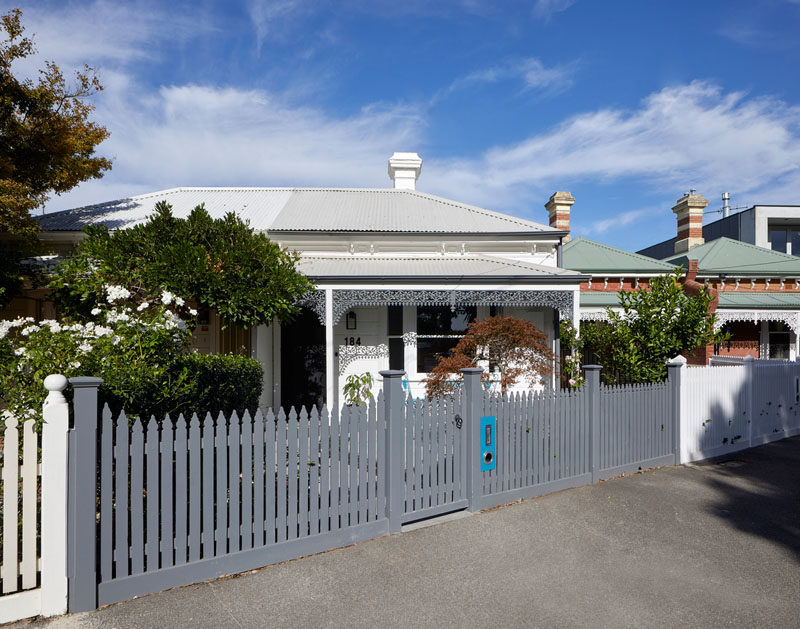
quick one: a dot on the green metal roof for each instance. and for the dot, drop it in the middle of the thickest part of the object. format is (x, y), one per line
(599, 299)
(760, 301)
(733, 257)
(589, 256)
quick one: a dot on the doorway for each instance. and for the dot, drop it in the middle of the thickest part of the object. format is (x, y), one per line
(303, 362)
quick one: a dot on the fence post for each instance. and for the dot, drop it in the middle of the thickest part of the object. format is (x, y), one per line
(82, 530)
(394, 412)
(750, 376)
(472, 425)
(592, 375)
(55, 412)
(674, 375)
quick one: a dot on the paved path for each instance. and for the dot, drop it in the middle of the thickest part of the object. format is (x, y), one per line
(710, 545)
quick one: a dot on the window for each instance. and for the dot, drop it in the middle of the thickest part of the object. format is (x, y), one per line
(785, 240)
(395, 330)
(779, 339)
(438, 330)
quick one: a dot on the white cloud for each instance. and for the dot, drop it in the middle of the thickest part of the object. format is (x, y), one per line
(105, 32)
(545, 9)
(203, 135)
(686, 136)
(531, 72)
(620, 220)
(265, 14)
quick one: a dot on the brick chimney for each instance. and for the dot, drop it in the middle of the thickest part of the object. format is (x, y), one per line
(558, 208)
(404, 169)
(689, 212)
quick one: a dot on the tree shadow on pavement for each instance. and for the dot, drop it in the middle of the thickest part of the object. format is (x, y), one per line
(759, 491)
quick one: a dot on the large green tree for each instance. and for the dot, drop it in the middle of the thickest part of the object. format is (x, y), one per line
(653, 325)
(47, 144)
(221, 263)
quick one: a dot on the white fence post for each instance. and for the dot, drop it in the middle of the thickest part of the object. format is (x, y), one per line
(54, 497)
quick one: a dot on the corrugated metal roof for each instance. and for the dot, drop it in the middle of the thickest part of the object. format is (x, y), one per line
(733, 257)
(759, 301)
(304, 209)
(599, 299)
(589, 256)
(420, 267)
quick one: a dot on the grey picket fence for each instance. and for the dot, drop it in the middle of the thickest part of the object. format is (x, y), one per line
(551, 440)
(158, 504)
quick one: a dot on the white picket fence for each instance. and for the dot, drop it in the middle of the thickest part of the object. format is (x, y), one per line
(33, 573)
(733, 405)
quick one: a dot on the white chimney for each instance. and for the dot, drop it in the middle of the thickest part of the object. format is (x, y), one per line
(404, 169)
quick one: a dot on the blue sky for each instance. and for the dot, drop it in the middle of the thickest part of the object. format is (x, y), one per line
(626, 104)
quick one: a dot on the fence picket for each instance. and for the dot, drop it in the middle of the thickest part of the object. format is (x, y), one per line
(137, 498)
(363, 456)
(122, 469)
(151, 523)
(258, 478)
(167, 506)
(10, 488)
(335, 465)
(221, 471)
(282, 479)
(195, 488)
(293, 476)
(247, 482)
(302, 474)
(106, 496)
(273, 444)
(182, 497)
(325, 456)
(209, 484)
(313, 471)
(234, 483)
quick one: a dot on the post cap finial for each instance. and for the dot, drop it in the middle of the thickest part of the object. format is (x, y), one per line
(55, 382)
(678, 361)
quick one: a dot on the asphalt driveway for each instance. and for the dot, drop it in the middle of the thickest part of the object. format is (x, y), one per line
(716, 544)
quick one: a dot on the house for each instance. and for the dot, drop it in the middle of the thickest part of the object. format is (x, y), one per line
(398, 273)
(758, 288)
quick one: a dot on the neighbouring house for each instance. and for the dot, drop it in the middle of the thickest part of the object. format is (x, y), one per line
(399, 274)
(758, 288)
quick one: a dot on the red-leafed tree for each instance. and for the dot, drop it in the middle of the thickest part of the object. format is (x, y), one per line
(517, 349)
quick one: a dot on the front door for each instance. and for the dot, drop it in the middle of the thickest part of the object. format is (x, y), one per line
(303, 362)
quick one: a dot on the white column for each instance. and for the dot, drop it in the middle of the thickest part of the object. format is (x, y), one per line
(54, 497)
(331, 386)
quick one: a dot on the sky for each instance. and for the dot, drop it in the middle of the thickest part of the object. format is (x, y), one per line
(626, 104)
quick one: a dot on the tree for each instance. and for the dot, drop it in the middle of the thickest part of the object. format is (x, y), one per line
(514, 347)
(220, 263)
(47, 144)
(654, 326)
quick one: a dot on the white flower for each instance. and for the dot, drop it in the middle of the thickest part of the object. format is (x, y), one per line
(167, 297)
(54, 325)
(74, 365)
(85, 348)
(103, 331)
(142, 306)
(193, 312)
(113, 293)
(96, 311)
(179, 301)
(20, 351)
(115, 340)
(29, 329)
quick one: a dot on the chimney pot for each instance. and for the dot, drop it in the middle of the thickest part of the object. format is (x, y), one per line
(558, 208)
(404, 169)
(689, 212)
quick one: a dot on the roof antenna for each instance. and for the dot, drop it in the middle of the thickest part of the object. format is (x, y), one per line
(726, 206)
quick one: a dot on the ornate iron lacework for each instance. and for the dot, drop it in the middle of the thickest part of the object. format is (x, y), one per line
(344, 300)
(349, 353)
(790, 318)
(314, 300)
(409, 338)
(594, 315)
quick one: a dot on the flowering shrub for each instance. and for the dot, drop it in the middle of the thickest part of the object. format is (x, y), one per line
(132, 350)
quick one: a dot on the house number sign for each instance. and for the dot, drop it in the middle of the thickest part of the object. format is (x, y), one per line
(352, 340)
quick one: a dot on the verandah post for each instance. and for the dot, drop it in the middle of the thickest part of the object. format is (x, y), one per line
(55, 413)
(82, 530)
(394, 402)
(592, 374)
(674, 378)
(472, 425)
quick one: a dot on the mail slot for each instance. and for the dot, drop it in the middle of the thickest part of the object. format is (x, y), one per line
(488, 440)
